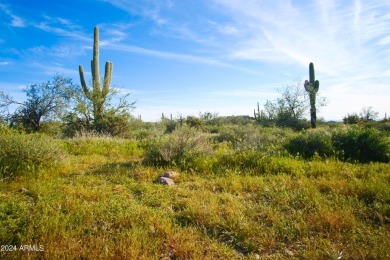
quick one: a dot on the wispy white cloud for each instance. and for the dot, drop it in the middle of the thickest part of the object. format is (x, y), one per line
(346, 41)
(57, 25)
(61, 21)
(16, 21)
(242, 93)
(169, 19)
(56, 51)
(61, 27)
(177, 57)
(147, 8)
(327, 32)
(226, 29)
(163, 55)
(13, 89)
(114, 33)
(55, 68)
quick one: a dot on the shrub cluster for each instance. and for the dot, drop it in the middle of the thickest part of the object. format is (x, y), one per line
(22, 153)
(362, 145)
(385, 126)
(183, 143)
(111, 123)
(241, 137)
(311, 142)
(349, 144)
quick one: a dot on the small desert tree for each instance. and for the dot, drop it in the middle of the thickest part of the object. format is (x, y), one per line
(45, 101)
(368, 114)
(289, 110)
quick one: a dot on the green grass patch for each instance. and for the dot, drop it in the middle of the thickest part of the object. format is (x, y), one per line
(22, 154)
(235, 202)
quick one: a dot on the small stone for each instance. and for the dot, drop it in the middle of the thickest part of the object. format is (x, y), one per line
(289, 252)
(165, 181)
(170, 175)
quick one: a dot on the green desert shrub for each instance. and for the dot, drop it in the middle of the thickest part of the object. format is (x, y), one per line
(142, 131)
(25, 153)
(53, 129)
(253, 137)
(111, 123)
(352, 119)
(286, 120)
(311, 142)
(74, 125)
(241, 137)
(195, 122)
(361, 145)
(170, 125)
(183, 143)
(114, 124)
(385, 127)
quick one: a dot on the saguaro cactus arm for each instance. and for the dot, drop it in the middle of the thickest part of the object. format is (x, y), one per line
(312, 76)
(83, 84)
(107, 78)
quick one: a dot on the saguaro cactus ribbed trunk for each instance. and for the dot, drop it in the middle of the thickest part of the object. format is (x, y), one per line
(98, 95)
(312, 87)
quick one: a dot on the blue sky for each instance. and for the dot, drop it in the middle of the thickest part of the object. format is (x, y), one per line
(191, 56)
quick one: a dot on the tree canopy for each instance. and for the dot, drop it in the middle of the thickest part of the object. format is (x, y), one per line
(289, 110)
(48, 101)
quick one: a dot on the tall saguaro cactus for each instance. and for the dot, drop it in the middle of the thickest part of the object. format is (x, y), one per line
(312, 87)
(98, 95)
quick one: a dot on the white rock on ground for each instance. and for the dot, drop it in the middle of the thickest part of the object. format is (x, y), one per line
(170, 175)
(165, 181)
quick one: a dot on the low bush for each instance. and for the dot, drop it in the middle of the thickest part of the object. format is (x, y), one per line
(285, 120)
(53, 129)
(311, 142)
(352, 119)
(361, 145)
(114, 124)
(22, 153)
(354, 144)
(143, 131)
(73, 125)
(183, 143)
(266, 139)
(240, 137)
(385, 127)
(111, 123)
